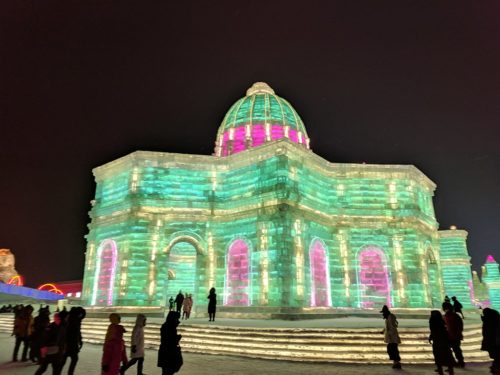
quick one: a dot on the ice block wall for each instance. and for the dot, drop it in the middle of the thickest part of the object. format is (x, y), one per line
(456, 267)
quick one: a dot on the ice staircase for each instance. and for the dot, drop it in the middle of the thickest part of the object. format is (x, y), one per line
(347, 345)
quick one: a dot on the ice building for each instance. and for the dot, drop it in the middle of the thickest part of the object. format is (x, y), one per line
(269, 224)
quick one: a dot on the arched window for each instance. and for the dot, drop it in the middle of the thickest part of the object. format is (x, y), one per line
(105, 273)
(320, 275)
(237, 274)
(373, 278)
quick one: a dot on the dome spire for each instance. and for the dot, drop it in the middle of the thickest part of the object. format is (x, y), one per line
(260, 87)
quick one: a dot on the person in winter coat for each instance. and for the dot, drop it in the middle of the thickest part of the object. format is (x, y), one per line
(137, 345)
(169, 353)
(52, 347)
(457, 306)
(391, 336)
(440, 343)
(73, 337)
(23, 327)
(40, 324)
(491, 337)
(455, 328)
(179, 299)
(212, 305)
(186, 306)
(114, 347)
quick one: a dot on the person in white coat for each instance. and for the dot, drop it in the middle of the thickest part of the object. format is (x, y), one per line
(137, 346)
(391, 337)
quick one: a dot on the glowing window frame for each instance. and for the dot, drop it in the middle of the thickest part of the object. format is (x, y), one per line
(249, 269)
(387, 268)
(327, 268)
(114, 249)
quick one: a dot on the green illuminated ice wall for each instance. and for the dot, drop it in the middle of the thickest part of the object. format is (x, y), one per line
(268, 223)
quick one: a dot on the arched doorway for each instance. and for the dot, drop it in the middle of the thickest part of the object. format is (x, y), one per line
(105, 274)
(320, 275)
(237, 274)
(373, 278)
(434, 287)
(181, 265)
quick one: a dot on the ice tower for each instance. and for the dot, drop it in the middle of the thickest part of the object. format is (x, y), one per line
(268, 223)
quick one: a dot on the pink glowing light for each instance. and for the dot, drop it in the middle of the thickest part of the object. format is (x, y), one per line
(490, 259)
(258, 135)
(107, 269)
(239, 141)
(320, 277)
(237, 280)
(374, 278)
(277, 132)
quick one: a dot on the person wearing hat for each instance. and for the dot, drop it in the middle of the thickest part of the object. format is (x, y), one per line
(391, 336)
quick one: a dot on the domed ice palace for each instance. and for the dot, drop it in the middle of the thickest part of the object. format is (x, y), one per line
(272, 226)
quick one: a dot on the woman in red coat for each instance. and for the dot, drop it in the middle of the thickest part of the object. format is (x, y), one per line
(114, 347)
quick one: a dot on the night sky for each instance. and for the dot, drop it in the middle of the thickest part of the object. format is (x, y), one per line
(83, 83)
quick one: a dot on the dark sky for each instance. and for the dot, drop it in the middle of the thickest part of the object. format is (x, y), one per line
(82, 83)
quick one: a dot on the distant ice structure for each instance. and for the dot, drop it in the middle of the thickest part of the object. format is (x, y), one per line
(7, 265)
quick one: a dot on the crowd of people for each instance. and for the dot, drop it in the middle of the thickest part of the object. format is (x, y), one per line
(446, 335)
(53, 343)
(47, 343)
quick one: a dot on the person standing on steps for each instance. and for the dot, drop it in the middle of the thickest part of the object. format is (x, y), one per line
(440, 343)
(212, 305)
(391, 336)
(179, 299)
(457, 306)
(171, 303)
(137, 346)
(187, 306)
(455, 328)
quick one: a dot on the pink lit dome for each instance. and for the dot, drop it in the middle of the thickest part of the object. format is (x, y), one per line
(260, 117)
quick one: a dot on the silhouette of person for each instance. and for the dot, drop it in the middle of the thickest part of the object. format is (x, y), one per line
(137, 345)
(454, 327)
(179, 299)
(457, 306)
(23, 327)
(491, 337)
(171, 303)
(74, 340)
(440, 343)
(391, 336)
(212, 305)
(52, 347)
(169, 354)
(114, 347)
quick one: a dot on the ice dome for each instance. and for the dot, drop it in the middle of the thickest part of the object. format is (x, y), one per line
(259, 117)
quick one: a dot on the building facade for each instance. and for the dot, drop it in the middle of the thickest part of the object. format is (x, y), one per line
(268, 223)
